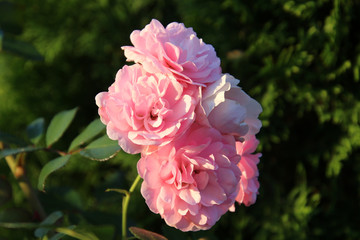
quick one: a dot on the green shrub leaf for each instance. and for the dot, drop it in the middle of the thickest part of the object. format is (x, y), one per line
(50, 220)
(50, 167)
(58, 125)
(21, 48)
(78, 234)
(93, 129)
(61, 235)
(16, 225)
(143, 234)
(13, 151)
(10, 139)
(35, 130)
(101, 149)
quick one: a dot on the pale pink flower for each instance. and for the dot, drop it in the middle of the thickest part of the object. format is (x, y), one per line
(249, 183)
(174, 49)
(142, 109)
(226, 107)
(193, 181)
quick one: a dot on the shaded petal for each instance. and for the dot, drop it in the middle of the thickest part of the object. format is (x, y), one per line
(191, 195)
(213, 193)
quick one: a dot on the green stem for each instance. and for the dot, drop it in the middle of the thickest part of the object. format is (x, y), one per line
(125, 205)
(19, 173)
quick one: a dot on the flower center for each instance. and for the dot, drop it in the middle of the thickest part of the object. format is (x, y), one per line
(153, 116)
(156, 109)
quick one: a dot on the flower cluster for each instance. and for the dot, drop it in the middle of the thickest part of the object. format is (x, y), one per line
(194, 127)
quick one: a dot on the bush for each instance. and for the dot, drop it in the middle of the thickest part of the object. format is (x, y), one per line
(299, 59)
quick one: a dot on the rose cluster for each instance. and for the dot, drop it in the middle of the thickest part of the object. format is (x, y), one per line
(194, 127)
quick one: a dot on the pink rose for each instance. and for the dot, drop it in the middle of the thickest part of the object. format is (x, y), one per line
(249, 183)
(142, 109)
(174, 49)
(226, 107)
(193, 181)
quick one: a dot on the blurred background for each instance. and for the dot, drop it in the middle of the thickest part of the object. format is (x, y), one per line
(299, 59)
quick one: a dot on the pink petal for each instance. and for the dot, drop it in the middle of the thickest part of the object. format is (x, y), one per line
(213, 193)
(190, 195)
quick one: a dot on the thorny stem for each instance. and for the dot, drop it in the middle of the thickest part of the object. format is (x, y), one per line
(125, 204)
(19, 173)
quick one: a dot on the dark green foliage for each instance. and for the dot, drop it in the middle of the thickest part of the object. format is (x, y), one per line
(299, 59)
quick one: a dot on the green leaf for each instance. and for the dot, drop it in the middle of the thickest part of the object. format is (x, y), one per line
(18, 225)
(61, 235)
(13, 151)
(10, 139)
(101, 149)
(50, 167)
(143, 234)
(50, 220)
(58, 125)
(78, 234)
(93, 129)
(23, 49)
(35, 130)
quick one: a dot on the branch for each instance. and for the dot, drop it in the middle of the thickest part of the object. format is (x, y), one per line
(19, 173)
